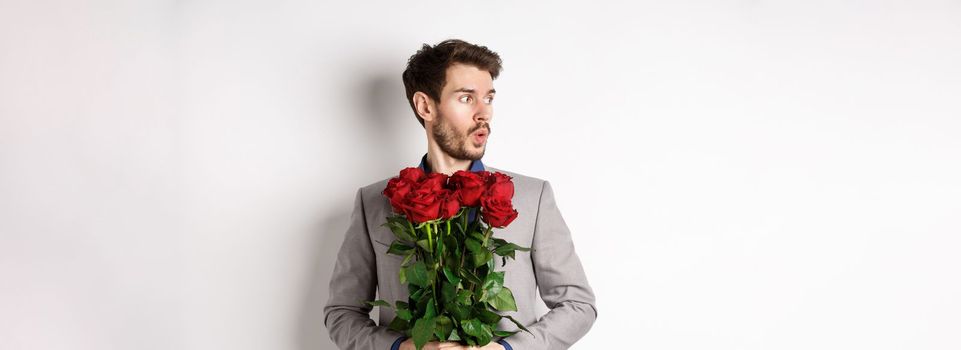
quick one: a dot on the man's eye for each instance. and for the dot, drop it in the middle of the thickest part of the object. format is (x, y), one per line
(489, 99)
(466, 98)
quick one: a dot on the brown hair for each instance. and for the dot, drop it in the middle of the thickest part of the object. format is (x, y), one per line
(427, 69)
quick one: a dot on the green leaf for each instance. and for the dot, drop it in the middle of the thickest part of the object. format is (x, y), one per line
(472, 278)
(479, 237)
(482, 257)
(463, 222)
(485, 338)
(440, 246)
(403, 311)
(432, 275)
(399, 226)
(423, 329)
(421, 305)
(443, 327)
(504, 334)
(479, 330)
(378, 303)
(410, 255)
(425, 245)
(503, 300)
(426, 294)
(482, 271)
(399, 324)
(492, 284)
(417, 274)
(463, 297)
(508, 249)
(405, 314)
(451, 276)
(460, 312)
(474, 245)
(415, 292)
(448, 292)
(398, 248)
(454, 248)
(473, 327)
(519, 325)
(431, 311)
(454, 336)
(487, 316)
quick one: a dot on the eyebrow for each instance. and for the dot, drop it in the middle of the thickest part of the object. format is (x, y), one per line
(471, 91)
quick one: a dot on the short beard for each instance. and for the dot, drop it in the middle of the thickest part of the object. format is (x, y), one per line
(453, 143)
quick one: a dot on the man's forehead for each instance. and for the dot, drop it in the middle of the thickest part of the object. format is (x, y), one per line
(462, 77)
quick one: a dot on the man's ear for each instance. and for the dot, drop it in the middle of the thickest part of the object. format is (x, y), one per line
(425, 106)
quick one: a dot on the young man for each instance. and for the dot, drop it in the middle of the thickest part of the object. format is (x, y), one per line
(450, 88)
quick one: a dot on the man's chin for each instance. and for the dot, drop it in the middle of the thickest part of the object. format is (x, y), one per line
(473, 156)
(478, 156)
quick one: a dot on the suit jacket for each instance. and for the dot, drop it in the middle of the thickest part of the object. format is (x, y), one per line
(552, 267)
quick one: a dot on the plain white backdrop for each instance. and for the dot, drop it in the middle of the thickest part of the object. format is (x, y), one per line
(735, 174)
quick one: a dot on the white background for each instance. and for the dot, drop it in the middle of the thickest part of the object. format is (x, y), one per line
(736, 174)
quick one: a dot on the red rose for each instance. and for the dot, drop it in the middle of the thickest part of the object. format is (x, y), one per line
(434, 182)
(422, 205)
(497, 212)
(449, 204)
(469, 186)
(484, 175)
(413, 175)
(396, 190)
(496, 207)
(500, 186)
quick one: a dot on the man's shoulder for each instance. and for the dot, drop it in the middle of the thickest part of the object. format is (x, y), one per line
(522, 182)
(376, 184)
(375, 188)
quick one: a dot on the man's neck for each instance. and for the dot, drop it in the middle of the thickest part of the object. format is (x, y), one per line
(440, 162)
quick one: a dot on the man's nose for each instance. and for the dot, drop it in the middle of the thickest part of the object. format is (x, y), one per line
(484, 113)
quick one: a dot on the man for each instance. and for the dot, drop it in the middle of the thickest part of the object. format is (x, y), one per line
(450, 88)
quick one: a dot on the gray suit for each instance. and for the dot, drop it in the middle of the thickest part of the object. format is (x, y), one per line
(364, 266)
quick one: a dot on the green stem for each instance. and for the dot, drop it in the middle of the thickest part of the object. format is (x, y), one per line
(413, 232)
(430, 241)
(448, 231)
(463, 248)
(440, 240)
(433, 283)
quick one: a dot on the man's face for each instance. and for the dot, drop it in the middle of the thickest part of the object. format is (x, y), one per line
(464, 112)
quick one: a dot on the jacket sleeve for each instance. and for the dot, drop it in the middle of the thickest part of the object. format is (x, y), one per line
(562, 283)
(354, 281)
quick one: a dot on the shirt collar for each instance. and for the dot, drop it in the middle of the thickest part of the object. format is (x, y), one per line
(475, 165)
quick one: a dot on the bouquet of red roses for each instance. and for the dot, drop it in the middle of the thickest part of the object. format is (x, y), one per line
(448, 264)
